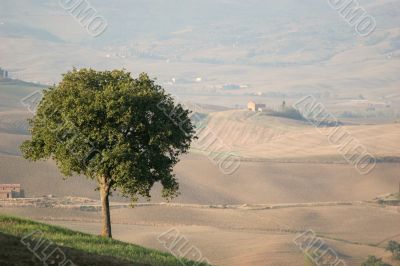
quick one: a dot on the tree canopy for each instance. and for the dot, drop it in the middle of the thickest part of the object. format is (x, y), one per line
(126, 133)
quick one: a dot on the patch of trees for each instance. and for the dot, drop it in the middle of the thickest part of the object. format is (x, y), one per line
(393, 247)
(289, 112)
(374, 261)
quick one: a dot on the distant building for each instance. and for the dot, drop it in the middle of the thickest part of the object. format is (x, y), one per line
(3, 73)
(252, 106)
(10, 191)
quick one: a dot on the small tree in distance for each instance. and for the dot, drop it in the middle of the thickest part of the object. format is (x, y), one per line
(374, 261)
(124, 133)
(394, 247)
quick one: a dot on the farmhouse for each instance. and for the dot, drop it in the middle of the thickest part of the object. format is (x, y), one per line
(252, 106)
(9, 191)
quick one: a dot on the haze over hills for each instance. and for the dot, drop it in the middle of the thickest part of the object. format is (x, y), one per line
(286, 46)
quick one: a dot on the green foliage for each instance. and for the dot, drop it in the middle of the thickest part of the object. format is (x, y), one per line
(308, 260)
(87, 245)
(394, 248)
(106, 124)
(374, 261)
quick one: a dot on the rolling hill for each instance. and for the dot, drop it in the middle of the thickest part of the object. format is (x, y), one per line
(260, 136)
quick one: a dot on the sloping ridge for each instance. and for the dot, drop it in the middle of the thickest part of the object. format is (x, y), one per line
(257, 135)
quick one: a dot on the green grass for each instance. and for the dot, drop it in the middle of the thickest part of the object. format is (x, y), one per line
(80, 248)
(307, 260)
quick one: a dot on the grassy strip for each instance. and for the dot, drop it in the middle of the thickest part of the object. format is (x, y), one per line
(78, 245)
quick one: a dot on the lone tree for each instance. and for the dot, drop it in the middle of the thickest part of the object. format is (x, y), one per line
(125, 133)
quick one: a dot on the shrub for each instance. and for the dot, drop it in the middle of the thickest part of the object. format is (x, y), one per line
(394, 247)
(374, 261)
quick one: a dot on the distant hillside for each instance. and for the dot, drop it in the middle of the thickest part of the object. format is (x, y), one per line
(82, 249)
(13, 114)
(12, 91)
(26, 31)
(287, 46)
(256, 135)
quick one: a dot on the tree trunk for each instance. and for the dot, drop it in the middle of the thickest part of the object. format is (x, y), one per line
(105, 207)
